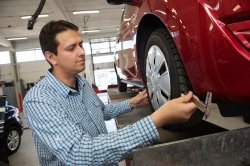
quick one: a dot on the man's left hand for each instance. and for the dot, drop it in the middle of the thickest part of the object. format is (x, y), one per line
(139, 100)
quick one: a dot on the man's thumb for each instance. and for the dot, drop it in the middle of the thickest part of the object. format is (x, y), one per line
(186, 98)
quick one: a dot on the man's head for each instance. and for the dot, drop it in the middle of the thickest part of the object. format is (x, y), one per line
(49, 32)
(61, 45)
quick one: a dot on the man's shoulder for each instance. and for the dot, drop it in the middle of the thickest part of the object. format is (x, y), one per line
(40, 90)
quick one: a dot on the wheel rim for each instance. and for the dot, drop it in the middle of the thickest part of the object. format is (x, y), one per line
(13, 140)
(158, 78)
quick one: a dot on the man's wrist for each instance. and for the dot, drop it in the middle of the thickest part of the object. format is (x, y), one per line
(131, 103)
(155, 121)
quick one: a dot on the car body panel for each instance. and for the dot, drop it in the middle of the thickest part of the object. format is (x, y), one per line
(11, 128)
(205, 33)
(10, 117)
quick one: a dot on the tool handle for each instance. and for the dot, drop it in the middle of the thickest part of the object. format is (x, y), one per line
(199, 104)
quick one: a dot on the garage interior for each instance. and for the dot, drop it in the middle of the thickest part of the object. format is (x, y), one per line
(22, 65)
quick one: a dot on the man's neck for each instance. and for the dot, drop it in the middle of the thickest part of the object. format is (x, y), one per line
(66, 79)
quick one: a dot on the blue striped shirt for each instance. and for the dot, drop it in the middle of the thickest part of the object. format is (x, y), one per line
(68, 126)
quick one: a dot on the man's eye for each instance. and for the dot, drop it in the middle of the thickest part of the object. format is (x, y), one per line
(71, 49)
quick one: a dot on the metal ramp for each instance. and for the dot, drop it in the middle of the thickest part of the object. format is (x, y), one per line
(206, 144)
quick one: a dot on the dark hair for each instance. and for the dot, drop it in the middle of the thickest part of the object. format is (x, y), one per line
(48, 34)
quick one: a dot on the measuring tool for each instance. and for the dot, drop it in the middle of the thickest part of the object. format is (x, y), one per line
(204, 107)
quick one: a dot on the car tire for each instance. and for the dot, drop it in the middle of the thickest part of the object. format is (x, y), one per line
(122, 87)
(246, 119)
(164, 74)
(12, 139)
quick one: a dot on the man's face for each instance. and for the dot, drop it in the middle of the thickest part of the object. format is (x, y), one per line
(70, 58)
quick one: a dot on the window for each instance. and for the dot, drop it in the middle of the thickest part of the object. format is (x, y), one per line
(87, 49)
(5, 57)
(105, 77)
(25, 56)
(103, 59)
(29, 55)
(103, 45)
(39, 54)
(113, 45)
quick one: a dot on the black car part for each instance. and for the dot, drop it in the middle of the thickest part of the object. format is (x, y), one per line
(33, 18)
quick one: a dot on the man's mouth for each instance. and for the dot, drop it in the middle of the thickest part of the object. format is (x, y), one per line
(81, 60)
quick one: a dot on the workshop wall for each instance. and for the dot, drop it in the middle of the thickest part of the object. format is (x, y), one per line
(5, 73)
(30, 72)
(28, 44)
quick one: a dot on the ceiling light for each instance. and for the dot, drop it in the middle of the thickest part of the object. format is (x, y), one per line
(39, 16)
(91, 31)
(17, 38)
(86, 12)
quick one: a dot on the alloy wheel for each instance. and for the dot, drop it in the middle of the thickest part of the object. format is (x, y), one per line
(158, 77)
(13, 140)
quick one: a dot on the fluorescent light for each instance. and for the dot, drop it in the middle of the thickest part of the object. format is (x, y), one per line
(91, 31)
(39, 16)
(86, 12)
(17, 38)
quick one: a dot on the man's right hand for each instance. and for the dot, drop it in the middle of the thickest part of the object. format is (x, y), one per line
(178, 110)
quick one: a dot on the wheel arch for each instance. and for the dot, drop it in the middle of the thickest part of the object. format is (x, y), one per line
(146, 26)
(13, 123)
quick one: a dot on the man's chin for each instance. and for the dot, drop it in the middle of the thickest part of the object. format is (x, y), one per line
(81, 69)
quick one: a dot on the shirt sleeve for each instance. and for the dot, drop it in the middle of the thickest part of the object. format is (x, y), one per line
(74, 146)
(114, 110)
(110, 110)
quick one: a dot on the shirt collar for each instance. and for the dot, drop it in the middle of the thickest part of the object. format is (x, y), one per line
(62, 88)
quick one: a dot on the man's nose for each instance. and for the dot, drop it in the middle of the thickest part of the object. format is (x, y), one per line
(81, 51)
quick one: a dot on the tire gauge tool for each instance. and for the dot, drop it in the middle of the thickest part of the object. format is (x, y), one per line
(204, 107)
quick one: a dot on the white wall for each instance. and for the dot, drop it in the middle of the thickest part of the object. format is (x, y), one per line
(21, 45)
(28, 71)
(32, 71)
(5, 73)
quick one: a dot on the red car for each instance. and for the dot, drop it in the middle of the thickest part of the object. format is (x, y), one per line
(173, 46)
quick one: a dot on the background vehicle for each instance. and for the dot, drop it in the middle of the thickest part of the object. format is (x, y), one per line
(11, 126)
(176, 46)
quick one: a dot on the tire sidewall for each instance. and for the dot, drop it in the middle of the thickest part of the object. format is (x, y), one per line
(162, 39)
(156, 38)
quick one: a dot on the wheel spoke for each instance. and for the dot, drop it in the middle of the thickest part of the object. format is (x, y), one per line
(150, 86)
(148, 71)
(161, 100)
(154, 101)
(159, 61)
(164, 83)
(10, 144)
(16, 143)
(151, 58)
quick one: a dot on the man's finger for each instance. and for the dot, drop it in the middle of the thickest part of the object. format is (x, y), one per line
(186, 98)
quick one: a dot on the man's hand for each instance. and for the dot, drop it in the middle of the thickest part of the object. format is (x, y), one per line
(174, 111)
(139, 100)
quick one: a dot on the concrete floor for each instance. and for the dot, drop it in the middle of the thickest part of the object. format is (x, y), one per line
(27, 156)
(229, 123)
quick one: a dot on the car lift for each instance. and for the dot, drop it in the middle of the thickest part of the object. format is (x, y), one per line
(205, 144)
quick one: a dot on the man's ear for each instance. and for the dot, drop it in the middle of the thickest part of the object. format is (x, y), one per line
(50, 57)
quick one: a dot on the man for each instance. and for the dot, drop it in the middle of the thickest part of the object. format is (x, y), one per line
(67, 118)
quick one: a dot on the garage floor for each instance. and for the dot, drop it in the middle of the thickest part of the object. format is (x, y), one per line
(27, 156)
